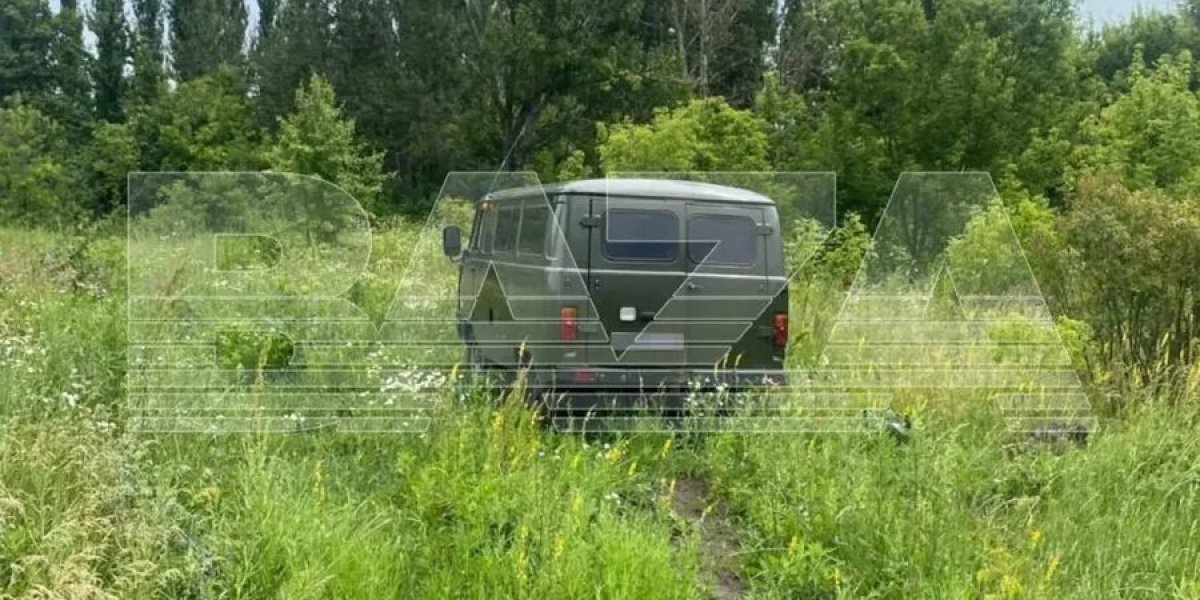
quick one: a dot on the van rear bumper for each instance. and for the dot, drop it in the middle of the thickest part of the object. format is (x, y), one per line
(581, 388)
(656, 379)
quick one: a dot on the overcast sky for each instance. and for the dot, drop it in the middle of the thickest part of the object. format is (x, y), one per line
(1110, 11)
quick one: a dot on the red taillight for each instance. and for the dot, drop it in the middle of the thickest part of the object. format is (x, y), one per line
(568, 328)
(781, 330)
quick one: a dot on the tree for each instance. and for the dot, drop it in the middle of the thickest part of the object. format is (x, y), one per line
(316, 139)
(965, 86)
(205, 125)
(147, 50)
(1149, 136)
(738, 68)
(112, 51)
(807, 44)
(295, 50)
(363, 67)
(721, 44)
(527, 59)
(267, 11)
(35, 183)
(69, 101)
(26, 35)
(1150, 35)
(1137, 273)
(798, 136)
(206, 34)
(703, 135)
(107, 161)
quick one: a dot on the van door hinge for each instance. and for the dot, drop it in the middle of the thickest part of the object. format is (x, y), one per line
(590, 221)
(765, 230)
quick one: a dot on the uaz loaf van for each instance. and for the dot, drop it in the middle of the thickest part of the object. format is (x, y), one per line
(613, 290)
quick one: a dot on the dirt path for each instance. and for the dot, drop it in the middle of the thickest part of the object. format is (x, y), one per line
(718, 538)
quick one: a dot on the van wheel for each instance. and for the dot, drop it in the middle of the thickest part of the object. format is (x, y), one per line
(478, 374)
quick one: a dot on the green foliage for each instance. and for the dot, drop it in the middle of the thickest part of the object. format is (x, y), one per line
(1144, 38)
(206, 34)
(147, 81)
(107, 162)
(1151, 135)
(112, 53)
(955, 515)
(807, 44)
(80, 520)
(36, 185)
(703, 135)
(798, 136)
(965, 89)
(988, 259)
(253, 351)
(284, 61)
(317, 140)
(205, 125)
(26, 35)
(1138, 277)
(69, 101)
(486, 503)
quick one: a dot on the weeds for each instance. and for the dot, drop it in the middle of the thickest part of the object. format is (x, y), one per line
(488, 503)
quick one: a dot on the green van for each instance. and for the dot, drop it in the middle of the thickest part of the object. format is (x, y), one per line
(614, 290)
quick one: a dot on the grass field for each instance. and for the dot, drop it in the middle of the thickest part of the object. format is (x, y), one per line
(488, 504)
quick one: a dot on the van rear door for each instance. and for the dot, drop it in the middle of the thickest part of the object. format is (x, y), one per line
(636, 261)
(726, 290)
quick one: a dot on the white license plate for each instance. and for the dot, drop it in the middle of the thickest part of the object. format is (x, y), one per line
(659, 341)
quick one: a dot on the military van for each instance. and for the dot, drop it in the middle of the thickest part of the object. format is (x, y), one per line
(613, 290)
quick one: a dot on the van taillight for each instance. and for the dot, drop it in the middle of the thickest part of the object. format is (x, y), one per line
(781, 329)
(567, 325)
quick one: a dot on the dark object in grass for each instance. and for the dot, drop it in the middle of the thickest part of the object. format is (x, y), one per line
(897, 425)
(1060, 433)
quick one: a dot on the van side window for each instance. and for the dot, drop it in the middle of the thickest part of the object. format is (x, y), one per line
(631, 234)
(533, 228)
(735, 240)
(508, 220)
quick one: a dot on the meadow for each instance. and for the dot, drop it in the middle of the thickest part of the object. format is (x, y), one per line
(489, 503)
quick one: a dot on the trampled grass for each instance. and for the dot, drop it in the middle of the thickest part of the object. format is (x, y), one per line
(489, 504)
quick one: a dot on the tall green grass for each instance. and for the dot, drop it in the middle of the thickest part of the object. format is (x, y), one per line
(487, 503)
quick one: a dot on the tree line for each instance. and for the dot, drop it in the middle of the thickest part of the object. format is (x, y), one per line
(1092, 135)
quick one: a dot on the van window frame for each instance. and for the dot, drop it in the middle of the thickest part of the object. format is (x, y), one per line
(604, 241)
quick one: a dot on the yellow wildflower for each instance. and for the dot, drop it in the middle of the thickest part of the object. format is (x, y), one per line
(662, 454)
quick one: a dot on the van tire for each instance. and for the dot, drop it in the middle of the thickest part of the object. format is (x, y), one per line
(480, 374)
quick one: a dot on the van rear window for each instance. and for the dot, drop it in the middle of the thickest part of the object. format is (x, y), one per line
(641, 235)
(735, 240)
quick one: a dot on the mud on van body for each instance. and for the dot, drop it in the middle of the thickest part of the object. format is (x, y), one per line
(619, 289)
